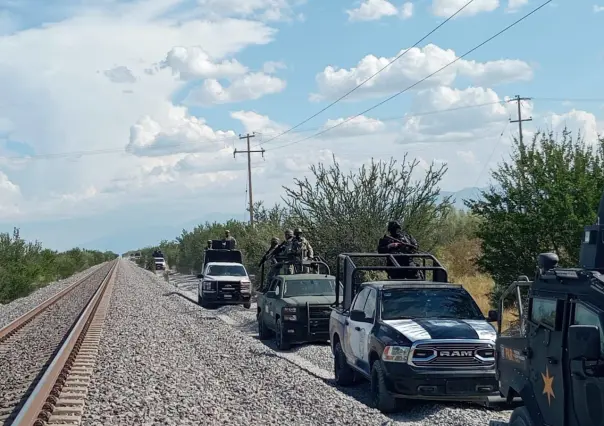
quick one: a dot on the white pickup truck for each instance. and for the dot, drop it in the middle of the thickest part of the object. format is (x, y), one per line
(224, 283)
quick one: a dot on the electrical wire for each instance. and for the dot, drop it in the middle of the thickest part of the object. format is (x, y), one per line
(374, 75)
(418, 82)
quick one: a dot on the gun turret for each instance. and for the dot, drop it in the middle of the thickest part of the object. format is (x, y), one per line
(592, 246)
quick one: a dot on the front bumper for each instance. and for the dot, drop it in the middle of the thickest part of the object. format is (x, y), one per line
(405, 381)
(227, 298)
(299, 332)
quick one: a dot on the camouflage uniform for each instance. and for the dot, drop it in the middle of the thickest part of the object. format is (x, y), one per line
(305, 247)
(227, 237)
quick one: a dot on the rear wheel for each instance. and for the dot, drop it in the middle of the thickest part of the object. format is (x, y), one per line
(380, 397)
(342, 371)
(247, 305)
(520, 417)
(263, 332)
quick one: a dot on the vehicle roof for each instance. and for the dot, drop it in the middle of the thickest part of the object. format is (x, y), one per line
(305, 276)
(394, 284)
(224, 263)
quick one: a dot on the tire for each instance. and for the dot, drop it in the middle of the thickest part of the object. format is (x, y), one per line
(521, 417)
(380, 397)
(344, 374)
(263, 332)
(247, 305)
(280, 339)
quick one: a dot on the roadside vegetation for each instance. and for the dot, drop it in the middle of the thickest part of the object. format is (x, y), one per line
(539, 200)
(26, 266)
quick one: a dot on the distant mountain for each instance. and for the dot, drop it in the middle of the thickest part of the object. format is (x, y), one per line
(463, 194)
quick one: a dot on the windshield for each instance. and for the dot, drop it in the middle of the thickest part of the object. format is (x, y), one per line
(313, 287)
(226, 270)
(429, 303)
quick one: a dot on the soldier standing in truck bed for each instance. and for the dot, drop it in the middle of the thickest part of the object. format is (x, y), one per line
(269, 254)
(228, 238)
(397, 241)
(304, 245)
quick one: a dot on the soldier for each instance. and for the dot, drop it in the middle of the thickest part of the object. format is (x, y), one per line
(269, 253)
(227, 237)
(397, 241)
(305, 247)
(209, 244)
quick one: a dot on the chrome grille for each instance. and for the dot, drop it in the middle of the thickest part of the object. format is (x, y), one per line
(453, 354)
(228, 286)
(319, 312)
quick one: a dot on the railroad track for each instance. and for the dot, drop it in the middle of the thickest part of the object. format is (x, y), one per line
(48, 354)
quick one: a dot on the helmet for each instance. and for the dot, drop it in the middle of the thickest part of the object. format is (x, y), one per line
(227, 231)
(393, 225)
(289, 233)
(274, 240)
(298, 231)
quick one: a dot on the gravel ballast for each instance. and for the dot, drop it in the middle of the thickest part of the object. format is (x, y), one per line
(18, 307)
(165, 360)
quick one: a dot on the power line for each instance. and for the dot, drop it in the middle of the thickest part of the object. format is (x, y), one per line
(374, 75)
(420, 81)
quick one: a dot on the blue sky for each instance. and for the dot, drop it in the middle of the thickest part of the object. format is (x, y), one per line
(165, 128)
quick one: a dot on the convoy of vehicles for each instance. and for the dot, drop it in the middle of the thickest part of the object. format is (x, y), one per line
(412, 339)
(295, 308)
(224, 280)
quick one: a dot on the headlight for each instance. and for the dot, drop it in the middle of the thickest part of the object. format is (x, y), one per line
(395, 353)
(291, 309)
(290, 317)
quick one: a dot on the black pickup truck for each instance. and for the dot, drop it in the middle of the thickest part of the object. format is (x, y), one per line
(413, 339)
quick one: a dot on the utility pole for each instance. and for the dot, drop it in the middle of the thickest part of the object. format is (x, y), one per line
(249, 152)
(518, 99)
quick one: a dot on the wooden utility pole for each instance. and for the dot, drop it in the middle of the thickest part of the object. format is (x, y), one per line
(249, 152)
(518, 99)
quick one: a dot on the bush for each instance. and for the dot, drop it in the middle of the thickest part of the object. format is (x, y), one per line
(27, 266)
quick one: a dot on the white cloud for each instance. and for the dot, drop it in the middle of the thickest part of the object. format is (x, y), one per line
(272, 67)
(266, 10)
(515, 5)
(191, 63)
(415, 65)
(598, 9)
(372, 10)
(406, 10)
(446, 8)
(358, 125)
(248, 87)
(254, 122)
(176, 132)
(576, 120)
(120, 74)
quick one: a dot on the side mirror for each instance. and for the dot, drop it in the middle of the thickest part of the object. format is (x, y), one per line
(271, 294)
(493, 316)
(584, 342)
(358, 316)
(199, 275)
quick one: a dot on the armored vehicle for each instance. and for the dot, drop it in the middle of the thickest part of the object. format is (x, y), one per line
(421, 338)
(553, 356)
(295, 307)
(223, 280)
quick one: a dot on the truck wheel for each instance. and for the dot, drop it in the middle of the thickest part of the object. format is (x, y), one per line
(247, 305)
(263, 332)
(281, 338)
(345, 375)
(520, 417)
(380, 397)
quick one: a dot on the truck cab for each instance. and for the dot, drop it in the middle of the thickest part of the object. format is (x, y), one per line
(552, 355)
(295, 307)
(413, 338)
(223, 280)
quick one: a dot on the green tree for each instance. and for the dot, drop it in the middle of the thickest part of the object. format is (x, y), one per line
(539, 201)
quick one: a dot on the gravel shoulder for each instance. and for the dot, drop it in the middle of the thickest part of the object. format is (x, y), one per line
(18, 307)
(165, 360)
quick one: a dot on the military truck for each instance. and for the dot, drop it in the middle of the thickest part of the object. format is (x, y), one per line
(223, 280)
(294, 304)
(552, 356)
(420, 338)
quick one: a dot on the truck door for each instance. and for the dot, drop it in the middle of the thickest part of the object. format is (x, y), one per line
(269, 304)
(365, 332)
(354, 329)
(587, 390)
(546, 363)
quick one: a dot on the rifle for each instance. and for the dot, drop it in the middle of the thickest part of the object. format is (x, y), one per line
(403, 243)
(267, 255)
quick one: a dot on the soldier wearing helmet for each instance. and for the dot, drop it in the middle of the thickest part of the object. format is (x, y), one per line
(307, 250)
(398, 241)
(269, 254)
(209, 244)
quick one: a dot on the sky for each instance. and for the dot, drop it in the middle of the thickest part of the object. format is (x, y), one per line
(118, 119)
